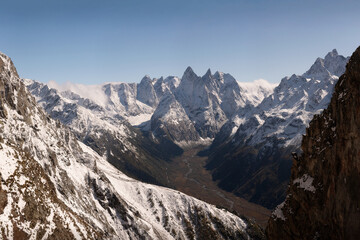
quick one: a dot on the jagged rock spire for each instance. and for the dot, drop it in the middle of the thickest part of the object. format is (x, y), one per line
(189, 74)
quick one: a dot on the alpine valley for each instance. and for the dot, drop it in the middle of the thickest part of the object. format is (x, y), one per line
(111, 161)
(251, 154)
(246, 131)
(55, 187)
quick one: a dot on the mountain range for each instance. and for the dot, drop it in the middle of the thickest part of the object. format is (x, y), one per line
(203, 104)
(251, 154)
(322, 200)
(140, 127)
(65, 150)
(251, 128)
(55, 187)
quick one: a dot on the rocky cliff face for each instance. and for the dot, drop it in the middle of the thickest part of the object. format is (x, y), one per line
(254, 162)
(323, 199)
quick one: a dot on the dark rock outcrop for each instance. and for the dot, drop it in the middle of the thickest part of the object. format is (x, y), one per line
(323, 199)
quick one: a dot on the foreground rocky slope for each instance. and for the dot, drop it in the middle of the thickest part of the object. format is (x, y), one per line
(55, 187)
(250, 155)
(323, 197)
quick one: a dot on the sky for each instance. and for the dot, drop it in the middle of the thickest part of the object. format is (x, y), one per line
(92, 42)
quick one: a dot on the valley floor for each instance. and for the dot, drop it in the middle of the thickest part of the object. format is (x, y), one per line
(188, 175)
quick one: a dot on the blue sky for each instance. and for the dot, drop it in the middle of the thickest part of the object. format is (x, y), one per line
(106, 41)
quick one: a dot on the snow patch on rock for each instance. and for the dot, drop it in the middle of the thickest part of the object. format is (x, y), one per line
(306, 183)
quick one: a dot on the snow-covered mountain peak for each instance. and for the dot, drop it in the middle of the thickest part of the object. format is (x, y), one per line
(294, 101)
(224, 78)
(219, 76)
(317, 70)
(212, 84)
(7, 65)
(146, 78)
(332, 64)
(208, 74)
(332, 54)
(146, 92)
(323, 69)
(189, 74)
(335, 63)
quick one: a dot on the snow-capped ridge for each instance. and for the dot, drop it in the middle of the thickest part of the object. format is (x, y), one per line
(332, 64)
(207, 101)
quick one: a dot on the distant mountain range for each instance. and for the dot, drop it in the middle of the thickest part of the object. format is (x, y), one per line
(172, 113)
(250, 128)
(203, 104)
